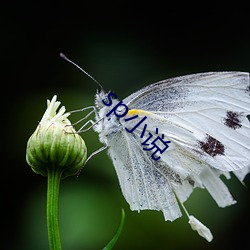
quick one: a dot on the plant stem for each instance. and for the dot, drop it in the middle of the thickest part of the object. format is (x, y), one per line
(54, 177)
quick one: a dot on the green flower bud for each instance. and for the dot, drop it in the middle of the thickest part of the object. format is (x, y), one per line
(55, 144)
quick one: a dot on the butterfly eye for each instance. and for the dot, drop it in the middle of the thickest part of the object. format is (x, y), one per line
(105, 99)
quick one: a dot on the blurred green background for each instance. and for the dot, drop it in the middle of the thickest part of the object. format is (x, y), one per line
(125, 47)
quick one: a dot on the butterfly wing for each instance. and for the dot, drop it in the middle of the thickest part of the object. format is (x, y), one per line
(204, 117)
(212, 106)
(142, 185)
(179, 164)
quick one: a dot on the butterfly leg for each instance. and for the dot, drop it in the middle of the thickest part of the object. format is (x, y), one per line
(94, 153)
(86, 116)
(81, 129)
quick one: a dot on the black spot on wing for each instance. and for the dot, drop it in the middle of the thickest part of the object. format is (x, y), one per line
(248, 89)
(233, 119)
(212, 146)
(190, 181)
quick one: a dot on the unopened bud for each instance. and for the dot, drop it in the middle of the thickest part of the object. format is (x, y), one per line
(55, 143)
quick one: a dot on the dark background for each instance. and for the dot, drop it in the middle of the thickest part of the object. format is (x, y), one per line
(125, 45)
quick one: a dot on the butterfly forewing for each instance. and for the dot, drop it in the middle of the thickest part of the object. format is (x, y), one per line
(213, 107)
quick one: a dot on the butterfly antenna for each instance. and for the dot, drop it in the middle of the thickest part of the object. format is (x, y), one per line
(90, 76)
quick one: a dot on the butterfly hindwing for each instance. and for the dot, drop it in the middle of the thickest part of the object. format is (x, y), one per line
(143, 184)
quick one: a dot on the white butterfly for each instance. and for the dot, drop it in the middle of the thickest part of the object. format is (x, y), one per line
(205, 118)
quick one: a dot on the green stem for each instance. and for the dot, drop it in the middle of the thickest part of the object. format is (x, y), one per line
(54, 177)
